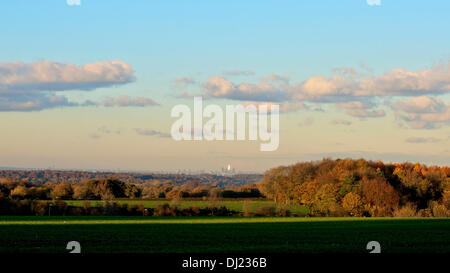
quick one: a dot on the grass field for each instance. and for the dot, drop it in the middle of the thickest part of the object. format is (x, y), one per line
(236, 205)
(222, 234)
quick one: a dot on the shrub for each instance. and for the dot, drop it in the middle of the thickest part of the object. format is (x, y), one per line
(409, 210)
(39, 208)
(439, 210)
(162, 210)
(425, 213)
(265, 211)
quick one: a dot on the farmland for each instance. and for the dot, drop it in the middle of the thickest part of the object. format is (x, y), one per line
(223, 234)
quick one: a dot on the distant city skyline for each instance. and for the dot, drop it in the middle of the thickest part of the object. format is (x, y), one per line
(91, 86)
(220, 171)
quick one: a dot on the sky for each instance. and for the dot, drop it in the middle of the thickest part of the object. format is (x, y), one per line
(90, 84)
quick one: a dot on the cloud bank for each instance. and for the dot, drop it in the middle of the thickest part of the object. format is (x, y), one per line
(424, 112)
(32, 86)
(337, 87)
(357, 94)
(53, 76)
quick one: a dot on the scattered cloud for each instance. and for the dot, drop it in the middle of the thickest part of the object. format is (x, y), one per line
(363, 113)
(424, 112)
(104, 130)
(422, 140)
(220, 87)
(284, 107)
(287, 107)
(151, 132)
(88, 103)
(32, 102)
(373, 2)
(422, 104)
(275, 78)
(94, 136)
(341, 122)
(101, 131)
(38, 85)
(238, 73)
(184, 81)
(127, 101)
(397, 82)
(186, 95)
(340, 87)
(361, 109)
(346, 71)
(357, 91)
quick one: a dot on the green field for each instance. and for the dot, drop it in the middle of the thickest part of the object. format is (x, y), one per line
(222, 234)
(235, 205)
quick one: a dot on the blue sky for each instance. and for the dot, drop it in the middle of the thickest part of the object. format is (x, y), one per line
(167, 40)
(179, 37)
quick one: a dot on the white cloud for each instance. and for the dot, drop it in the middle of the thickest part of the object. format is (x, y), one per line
(345, 86)
(401, 82)
(53, 76)
(73, 2)
(31, 86)
(319, 86)
(373, 2)
(126, 101)
(340, 87)
(220, 87)
(424, 112)
(422, 104)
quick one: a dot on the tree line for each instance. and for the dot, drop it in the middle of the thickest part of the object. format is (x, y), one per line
(108, 208)
(346, 187)
(342, 187)
(113, 188)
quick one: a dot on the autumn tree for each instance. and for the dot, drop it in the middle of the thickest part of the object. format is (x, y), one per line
(380, 198)
(326, 200)
(305, 193)
(20, 192)
(352, 204)
(62, 191)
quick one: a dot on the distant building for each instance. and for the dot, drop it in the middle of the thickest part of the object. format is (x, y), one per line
(228, 170)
